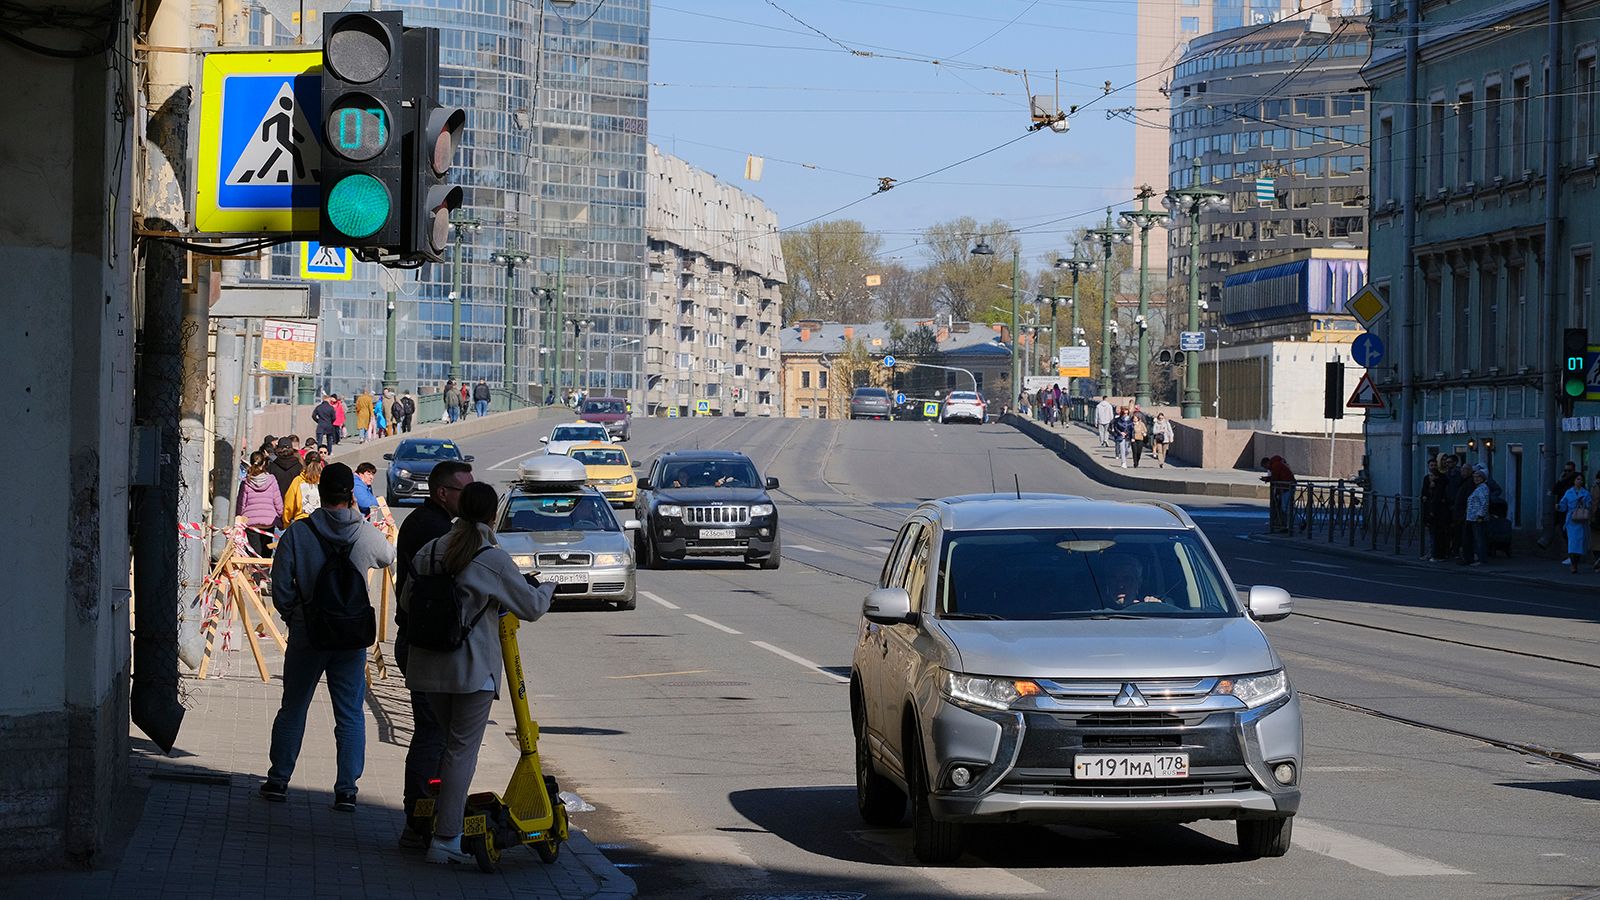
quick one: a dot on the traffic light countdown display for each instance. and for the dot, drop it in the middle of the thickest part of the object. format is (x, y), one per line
(389, 144)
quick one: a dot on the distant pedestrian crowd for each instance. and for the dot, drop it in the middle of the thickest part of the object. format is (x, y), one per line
(1133, 431)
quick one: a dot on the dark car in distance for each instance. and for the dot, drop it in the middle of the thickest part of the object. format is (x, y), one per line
(870, 403)
(612, 412)
(412, 462)
(707, 503)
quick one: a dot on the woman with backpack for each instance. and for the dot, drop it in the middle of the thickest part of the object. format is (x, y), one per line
(455, 658)
(260, 504)
(302, 499)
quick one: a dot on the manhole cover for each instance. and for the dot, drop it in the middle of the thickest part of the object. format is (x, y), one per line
(705, 683)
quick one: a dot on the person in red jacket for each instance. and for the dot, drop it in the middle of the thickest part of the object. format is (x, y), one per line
(1281, 478)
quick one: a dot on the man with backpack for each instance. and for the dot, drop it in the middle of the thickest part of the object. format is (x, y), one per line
(480, 398)
(319, 586)
(408, 409)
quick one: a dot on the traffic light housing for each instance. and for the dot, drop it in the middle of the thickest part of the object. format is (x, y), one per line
(1333, 390)
(1575, 367)
(430, 153)
(366, 117)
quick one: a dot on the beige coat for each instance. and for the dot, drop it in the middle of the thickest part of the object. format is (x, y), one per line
(490, 580)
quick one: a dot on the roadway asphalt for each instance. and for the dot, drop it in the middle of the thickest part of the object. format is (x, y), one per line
(710, 727)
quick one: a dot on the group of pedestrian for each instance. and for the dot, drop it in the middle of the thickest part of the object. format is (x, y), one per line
(282, 485)
(1046, 404)
(1575, 509)
(458, 398)
(1133, 431)
(1457, 503)
(452, 671)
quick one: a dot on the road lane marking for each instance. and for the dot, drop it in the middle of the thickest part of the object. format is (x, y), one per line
(1320, 565)
(519, 457)
(805, 547)
(883, 550)
(1365, 854)
(983, 881)
(801, 660)
(659, 674)
(652, 597)
(717, 625)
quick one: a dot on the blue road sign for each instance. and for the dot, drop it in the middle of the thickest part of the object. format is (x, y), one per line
(259, 160)
(1367, 350)
(888, 362)
(1191, 341)
(899, 398)
(325, 263)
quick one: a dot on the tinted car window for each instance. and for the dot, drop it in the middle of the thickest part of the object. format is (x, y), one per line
(1079, 573)
(429, 451)
(598, 457)
(558, 513)
(962, 395)
(734, 473)
(604, 406)
(578, 433)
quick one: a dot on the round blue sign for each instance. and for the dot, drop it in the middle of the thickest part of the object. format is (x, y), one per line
(899, 398)
(1367, 350)
(888, 362)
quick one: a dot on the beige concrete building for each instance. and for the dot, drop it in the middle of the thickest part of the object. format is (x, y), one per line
(712, 305)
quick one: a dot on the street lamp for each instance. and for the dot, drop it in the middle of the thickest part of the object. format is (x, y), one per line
(578, 325)
(982, 248)
(460, 225)
(1108, 237)
(1144, 218)
(1190, 201)
(1077, 266)
(510, 258)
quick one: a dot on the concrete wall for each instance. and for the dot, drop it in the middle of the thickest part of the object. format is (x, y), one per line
(66, 361)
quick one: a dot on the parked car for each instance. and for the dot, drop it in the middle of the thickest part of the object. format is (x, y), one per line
(564, 437)
(410, 465)
(870, 403)
(1042, 658)
(610, 471)
(554, 524)
(963, 406)
(707, 503)
(612, 412)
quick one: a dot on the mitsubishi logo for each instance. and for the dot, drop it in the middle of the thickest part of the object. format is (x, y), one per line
(1129, 696)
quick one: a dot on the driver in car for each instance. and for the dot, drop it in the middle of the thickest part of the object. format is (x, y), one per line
(1125, 581)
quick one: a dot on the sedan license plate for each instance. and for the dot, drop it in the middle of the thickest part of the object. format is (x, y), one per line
(564, 577)
(717, 534)
(1134, 766)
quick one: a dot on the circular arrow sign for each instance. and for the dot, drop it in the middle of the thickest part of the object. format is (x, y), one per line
(888, 362)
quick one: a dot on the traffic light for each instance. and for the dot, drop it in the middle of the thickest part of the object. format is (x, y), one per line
(365, 122)
(1575, 368)
(1333, 390)
(430, 152)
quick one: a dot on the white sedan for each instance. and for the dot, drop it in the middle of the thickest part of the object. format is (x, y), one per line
(963, 405)
(563, 437)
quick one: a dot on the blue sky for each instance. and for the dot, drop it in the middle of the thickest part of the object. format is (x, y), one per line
(733, 78)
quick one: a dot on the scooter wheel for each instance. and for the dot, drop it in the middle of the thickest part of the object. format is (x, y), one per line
(482, 848)
(549, 849)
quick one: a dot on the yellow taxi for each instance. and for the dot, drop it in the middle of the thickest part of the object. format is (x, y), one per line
(609, 470)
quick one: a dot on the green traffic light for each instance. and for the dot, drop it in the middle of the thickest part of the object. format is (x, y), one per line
(358, 205)
(1574, 387)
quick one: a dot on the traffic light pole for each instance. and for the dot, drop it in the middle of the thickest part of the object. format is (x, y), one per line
(509, 375)
(391, 379)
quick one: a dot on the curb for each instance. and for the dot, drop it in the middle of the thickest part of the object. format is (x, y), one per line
(613, 884)
(1091, 467)
(1392, 559)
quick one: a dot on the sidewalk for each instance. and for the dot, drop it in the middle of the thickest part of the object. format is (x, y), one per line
(1080, 446)
(1527, 566)
(203, 832)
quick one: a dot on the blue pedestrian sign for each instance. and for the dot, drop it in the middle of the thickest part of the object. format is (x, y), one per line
(325, 263)
(888, 362)
(1367, 350)
(258, 165)
(899, 398)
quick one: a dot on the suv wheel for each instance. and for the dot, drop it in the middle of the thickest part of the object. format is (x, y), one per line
(775, 558)
(1265, 837)
(934, 842)
(878, 800)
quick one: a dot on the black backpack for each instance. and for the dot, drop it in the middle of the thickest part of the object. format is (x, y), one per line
(434, 610)
(338, 613)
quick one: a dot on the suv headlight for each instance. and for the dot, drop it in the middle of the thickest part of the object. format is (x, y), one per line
(403, 473)
(671, 510)
(761, 509)
(982, 690)
(1255, 690)
(610, 559)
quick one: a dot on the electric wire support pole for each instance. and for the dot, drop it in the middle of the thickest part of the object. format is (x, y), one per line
(1108, 236)
(1144, 218)
(510, 258)
(1190, 201)
(1016, 346)
(458, 225)
(1077, 266)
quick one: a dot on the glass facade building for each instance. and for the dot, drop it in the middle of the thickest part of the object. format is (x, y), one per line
(553, 165)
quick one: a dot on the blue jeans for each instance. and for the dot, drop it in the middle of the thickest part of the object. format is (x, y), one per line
(483, 408)
(454, 411)
(303, 667)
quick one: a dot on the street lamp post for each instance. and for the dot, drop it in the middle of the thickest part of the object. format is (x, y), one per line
(391, 378)
(982, 248)
(1077, 266)
(1191, 201)
(1108, 237)
(579, 353)
(1144, 218)
(460, 225)
(510, 258)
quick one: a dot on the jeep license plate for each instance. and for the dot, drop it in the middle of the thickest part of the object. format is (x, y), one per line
(1130, 766)
(717, 534)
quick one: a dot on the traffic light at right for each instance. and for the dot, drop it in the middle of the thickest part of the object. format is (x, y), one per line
(365, 120)
(430, 153)
(1574, 368)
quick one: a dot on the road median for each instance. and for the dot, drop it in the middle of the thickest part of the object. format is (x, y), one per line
(1185, 481)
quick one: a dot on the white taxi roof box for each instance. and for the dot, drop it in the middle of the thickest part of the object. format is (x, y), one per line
(551, 472)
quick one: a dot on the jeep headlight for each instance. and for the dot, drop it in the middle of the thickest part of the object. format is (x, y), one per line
(1255, 690)
(982, 690)
(671, 510)
(761, 509)
(610, 559)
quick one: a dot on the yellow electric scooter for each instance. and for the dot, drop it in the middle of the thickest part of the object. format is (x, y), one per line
(531, 811)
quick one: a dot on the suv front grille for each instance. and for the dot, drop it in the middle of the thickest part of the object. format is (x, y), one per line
(1190, 787)
(1132, 741)
(553, 560)
(1131, 720)
(716, 515)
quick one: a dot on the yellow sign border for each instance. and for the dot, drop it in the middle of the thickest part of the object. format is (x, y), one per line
(348, 274)
(216, 68)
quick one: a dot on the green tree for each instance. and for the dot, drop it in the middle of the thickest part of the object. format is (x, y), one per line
(964, 285)
(827, 263)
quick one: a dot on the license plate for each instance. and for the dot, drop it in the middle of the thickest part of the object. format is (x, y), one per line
(717, 534)
(474, 825)
(564, 577)
(1134, 766)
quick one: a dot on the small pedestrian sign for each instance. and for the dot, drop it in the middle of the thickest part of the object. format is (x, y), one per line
(258, 164)
(930, 410)
(672, 412)
(888, 362)
(321, 263)
(1366, 394)
(702, 407)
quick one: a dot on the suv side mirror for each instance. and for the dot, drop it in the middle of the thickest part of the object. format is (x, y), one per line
(630, 525)
(887, 606)
(644, 483)
(1269, 604)
(772, 484)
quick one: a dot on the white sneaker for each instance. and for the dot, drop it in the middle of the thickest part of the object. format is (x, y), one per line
(444, 852)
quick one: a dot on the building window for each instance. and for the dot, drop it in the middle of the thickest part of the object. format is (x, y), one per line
(1466, 148)
(805, 411)
(822, 410)
(805, 379)
(1383, 166)
(1521, 105)
(1436, 114)
(1583, 134)
(822, 380)
(1345, 226)
(1433, 333)
(1488, 319)
(1491, 130)
(1461, 320)
(1582, 288)
(1190, 24)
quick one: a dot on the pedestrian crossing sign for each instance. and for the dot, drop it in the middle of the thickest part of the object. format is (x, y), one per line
(325, 263)
(930, 410)
(258, 164)
(672, 412)
(702, 407)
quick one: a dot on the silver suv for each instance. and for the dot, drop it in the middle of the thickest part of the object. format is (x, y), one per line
(1054, 659)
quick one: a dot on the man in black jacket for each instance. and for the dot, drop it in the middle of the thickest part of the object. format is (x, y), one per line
(322, 415)
(480, 398)
(430, 521)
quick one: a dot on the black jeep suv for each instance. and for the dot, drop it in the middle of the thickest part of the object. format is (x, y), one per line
(707, 503)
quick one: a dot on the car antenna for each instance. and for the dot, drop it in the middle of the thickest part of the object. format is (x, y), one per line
(1018, 479)
(992, 488)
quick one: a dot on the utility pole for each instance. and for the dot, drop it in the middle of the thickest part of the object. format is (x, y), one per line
(459, 225)
(1077, 266)
(1108, 236)
(1016, 360)
(1191, 201)
(391, 379)
(555, 323)
(510, 258)
(1144, 218)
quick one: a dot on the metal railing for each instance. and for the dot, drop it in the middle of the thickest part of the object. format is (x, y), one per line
(1345, 512)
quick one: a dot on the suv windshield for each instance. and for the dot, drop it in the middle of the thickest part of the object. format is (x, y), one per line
(599, 457)
(604, 406)
(558, 513)
(705, 473)
(430, 451)
(1079, 573)
(578, 433)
